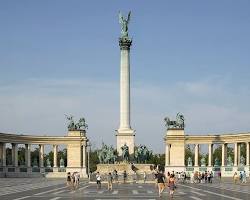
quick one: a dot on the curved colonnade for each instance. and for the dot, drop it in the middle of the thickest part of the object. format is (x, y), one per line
(75, 141)
(175, 141)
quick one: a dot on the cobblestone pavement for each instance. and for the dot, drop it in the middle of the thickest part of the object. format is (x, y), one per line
(43, 189)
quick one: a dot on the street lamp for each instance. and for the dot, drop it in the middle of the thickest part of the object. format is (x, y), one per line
(89, 150)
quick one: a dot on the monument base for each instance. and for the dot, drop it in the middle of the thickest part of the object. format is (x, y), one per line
(121, 167)
(126, 136)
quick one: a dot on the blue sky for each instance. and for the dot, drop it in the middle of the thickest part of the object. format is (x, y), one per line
(62, 57)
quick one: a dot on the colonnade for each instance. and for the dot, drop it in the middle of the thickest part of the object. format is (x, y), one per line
(75, 141)
(14, 155)
(175, 141)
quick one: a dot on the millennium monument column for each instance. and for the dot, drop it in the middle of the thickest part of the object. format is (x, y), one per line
(125, 134)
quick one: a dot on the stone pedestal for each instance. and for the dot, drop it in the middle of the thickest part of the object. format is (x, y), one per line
(175, 154)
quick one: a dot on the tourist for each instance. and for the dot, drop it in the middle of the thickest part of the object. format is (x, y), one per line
(110, 181)
(235, 178)
(77, 179)
(209, 177)
(69, 180)
(98, 180)
(171, 185)
(115, 176)
(244, 177)
(73, 180)
(219, 175)
(125, 176)
(160, 182)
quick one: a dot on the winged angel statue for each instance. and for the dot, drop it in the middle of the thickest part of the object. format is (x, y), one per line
(124, 24)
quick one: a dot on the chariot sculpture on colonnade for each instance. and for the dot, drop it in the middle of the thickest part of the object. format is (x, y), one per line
(178, 123)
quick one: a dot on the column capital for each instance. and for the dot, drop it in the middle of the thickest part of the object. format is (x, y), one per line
(125, 43)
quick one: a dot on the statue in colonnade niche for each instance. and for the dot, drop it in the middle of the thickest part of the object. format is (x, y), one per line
(62, 162)
(242, 161)
(216, 162)
(48, 163)
(229, 161)
(190, 162)
(203, 162)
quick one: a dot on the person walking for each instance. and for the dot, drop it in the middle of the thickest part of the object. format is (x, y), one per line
(98, 180)
(124, 176)
(160, 182)
(69, 180)
(110, 181)
(244, 177)
(235, 178)
(171, 185)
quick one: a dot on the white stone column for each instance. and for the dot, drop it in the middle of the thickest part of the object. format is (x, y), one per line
(196, 156)
(247, 153)
(125, 89)
(84, 156)
(167, 155)
(41, 155)
(224, 155)
(14, 154)
(238, 150)
(4, 155)
(1, 154)
(210, 154)
(55, 155)
(235, 154)
(27, 155)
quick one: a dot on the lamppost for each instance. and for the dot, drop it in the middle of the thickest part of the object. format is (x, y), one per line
(89, 150)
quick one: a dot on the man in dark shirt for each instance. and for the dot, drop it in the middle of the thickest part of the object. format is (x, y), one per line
(161, 182)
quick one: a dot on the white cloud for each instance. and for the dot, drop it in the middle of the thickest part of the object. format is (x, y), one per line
(38, 106)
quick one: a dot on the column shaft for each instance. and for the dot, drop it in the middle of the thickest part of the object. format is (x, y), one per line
(224, 155)
(125, 90)
(235, 154)
(4, 155)
(210, 154)
(41, 155)
(247, 153)
(238, 150)
(1, 154)
(27, 155)
(55, 155)
(14, 154)
(196, 156)
(167, 155)
(84, 156)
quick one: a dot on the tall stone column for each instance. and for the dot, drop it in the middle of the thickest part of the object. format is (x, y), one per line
(41, 155)
(247, 153)
(4, 155)
(238, 150)
(196, 156)
(27, 155)
(167, 155)
(1, 154)
(84, 156)
(224, 155)
(14, 154)
(210, 154)
(235, 154)
(125, 135)
(55, 156)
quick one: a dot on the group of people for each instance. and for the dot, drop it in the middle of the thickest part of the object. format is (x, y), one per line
(73, 180)
(242, 177)
(167, 181)
(111, 177)
(201, 177)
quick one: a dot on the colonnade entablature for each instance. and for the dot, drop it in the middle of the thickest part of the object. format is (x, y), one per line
(76, 145)
(176, 141)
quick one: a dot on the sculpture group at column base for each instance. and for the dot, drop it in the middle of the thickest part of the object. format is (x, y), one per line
(125, 136)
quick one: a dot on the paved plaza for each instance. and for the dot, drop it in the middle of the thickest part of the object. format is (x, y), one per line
(43, 189)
